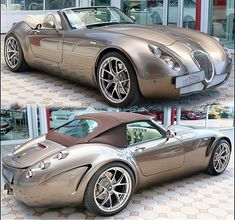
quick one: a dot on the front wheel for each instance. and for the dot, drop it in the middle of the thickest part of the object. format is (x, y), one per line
(220, 158)
(117, 80)
(109, 190)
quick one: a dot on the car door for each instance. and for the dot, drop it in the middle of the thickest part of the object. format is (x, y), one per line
(46, 43)
(154, 152)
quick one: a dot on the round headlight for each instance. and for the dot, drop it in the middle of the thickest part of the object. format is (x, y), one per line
(158, 52)
(170, 62)
(29, 174)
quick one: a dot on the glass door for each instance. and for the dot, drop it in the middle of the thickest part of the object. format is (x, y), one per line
(221, 22)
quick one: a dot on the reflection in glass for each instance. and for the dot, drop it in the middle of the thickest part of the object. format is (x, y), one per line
(189, 14)
(59, 4)
(14, 123)
(222, 25)
(145, 12)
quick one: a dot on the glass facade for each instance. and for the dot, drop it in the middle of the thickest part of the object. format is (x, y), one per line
(32, 5)
(14, 123)
(221, 24)
(101, 2)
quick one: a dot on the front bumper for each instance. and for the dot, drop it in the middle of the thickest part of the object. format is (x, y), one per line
(194, 83)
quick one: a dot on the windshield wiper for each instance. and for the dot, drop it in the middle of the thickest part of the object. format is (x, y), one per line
(108, 23)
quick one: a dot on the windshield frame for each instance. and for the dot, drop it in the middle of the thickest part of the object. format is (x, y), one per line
(110, 8)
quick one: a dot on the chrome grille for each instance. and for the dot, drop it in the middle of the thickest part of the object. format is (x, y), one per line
(204, 63)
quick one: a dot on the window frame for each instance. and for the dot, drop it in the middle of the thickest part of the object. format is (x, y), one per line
(153, 124)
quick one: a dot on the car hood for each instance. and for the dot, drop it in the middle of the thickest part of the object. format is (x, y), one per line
(166, 35)
(26, 156)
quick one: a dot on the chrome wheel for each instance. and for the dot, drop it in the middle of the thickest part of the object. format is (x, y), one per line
(12, 52)
(114, 79)
(112, 189)
(221, 157)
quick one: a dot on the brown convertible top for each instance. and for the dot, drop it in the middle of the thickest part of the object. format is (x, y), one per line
(110, 129)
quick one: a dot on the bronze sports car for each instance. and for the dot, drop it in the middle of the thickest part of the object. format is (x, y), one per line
(100, 159)
(102, 47)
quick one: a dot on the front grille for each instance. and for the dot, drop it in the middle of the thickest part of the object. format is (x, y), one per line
(204, 63)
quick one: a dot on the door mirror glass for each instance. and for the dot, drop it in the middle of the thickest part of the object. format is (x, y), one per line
(170, 134)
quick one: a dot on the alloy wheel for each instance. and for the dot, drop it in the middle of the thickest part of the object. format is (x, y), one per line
(112, 189)
(12, 52)
(114, 80)
(221, 157)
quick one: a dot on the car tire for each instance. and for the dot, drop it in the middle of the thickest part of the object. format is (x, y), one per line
(107, 82)
(18, 64)
(214, 164)
(108, 193)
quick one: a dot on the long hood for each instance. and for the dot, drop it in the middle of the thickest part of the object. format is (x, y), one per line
(27, 156)
(165, 35)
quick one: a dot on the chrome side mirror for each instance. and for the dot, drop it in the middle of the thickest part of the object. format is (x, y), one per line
(170, 134)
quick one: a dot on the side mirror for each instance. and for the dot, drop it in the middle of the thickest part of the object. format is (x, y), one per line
(170, 134)
(49, 24)
(133, 18)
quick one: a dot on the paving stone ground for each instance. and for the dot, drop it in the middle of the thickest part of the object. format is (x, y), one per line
(199, 196)
(37, 87)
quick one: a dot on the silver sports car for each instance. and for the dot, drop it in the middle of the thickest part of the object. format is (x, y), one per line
(101, 159)
(102, 47)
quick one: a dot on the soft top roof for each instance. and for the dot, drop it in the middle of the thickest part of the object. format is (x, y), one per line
(108, 122)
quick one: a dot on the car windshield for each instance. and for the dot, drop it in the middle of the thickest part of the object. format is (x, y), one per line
(79, 18)
(78, 128)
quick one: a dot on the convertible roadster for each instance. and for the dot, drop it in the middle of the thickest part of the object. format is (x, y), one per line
(102, 47)
(100, 159)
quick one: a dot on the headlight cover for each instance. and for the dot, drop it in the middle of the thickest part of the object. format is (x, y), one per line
(165, 57)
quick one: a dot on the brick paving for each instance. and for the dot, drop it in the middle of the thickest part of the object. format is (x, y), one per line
(37, 87)
(198, 196)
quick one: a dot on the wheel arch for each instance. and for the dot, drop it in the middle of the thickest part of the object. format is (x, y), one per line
(213, 143)
(113, 49)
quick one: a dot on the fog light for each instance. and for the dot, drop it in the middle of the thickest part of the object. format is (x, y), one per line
(29, 174)
(158, 52)
(169, 62)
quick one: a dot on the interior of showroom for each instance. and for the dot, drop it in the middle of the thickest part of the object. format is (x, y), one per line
(22, 122)
(215, 17)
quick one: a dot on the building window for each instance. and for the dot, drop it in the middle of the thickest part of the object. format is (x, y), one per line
(101, 2)
(14, 123)
(222, 21)
(59, 4)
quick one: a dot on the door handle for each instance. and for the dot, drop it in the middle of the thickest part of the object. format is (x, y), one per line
(140, 149)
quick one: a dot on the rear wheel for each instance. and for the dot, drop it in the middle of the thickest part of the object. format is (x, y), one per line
(13, 53)
(220, 158)
(117, 80)
(109, 190)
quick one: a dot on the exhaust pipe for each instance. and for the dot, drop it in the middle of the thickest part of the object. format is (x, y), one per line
(8, 189)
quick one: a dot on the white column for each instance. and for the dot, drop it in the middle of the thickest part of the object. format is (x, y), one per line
(205, 5)
(43, 120)
(85, 3)
(165, 12)
(116, 3)
(180, 12)
(167, 116)
(207, 116)
(178, 114)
